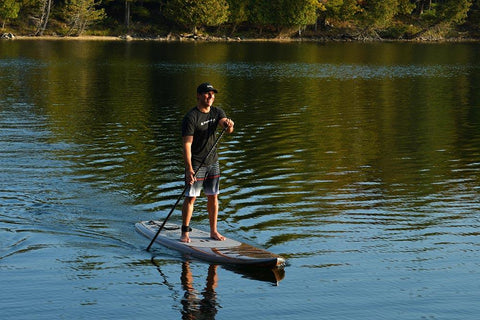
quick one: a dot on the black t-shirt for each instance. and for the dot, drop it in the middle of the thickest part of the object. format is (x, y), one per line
(202, 126)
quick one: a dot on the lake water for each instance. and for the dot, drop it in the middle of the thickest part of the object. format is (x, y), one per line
(358, 162)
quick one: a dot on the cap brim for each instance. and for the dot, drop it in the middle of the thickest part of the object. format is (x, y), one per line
(205, 91)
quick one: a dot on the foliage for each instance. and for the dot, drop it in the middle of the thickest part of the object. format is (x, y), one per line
(238, 12)
(399, 31)
(196, 14)
(262, 13)
(379, 13)
(406, 7)
(43, 17)
(454, 11)
(339, 10)
(81, 13)
(8, 10)
(387, 18)
(298, 12)
(473, 16)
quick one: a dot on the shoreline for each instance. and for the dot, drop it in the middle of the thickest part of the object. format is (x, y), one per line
(192, 38)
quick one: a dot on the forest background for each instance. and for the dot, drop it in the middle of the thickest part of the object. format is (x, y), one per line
(245, 19)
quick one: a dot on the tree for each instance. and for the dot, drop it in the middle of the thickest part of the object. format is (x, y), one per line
(8, 10)
(474, 15)
(423, 5)
(238, 12)
(379, 13)
(298, 13)
(454, 11)
(127, 14)
(340, 10)
(263, 13)
(82, 13)
(195, 14)
(46, 6)
(405, 7)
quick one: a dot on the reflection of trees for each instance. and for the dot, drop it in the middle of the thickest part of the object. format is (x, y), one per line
(300, 138)
(122, 109)
(105, 101)
(328, 143)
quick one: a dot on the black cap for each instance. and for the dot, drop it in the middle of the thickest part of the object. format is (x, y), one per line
(206, 87)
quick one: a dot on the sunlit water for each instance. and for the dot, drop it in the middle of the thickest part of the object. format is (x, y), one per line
(357, 162)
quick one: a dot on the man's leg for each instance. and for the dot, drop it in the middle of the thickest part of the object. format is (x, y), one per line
(212, 207)
(187, 211)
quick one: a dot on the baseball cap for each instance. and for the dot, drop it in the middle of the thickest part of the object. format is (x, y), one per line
(206, 87)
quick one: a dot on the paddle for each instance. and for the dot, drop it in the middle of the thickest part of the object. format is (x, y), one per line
(185, 189)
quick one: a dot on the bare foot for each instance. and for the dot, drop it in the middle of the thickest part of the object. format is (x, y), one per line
(185, 238)
(217, 236)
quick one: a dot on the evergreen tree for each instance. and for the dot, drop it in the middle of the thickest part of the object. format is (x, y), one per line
(454, 11)
(298, 13)
(263, 13)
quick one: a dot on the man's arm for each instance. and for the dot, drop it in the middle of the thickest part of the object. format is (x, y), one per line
(227, 123)
(187, 158)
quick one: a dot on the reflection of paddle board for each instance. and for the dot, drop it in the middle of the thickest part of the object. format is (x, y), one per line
(205, 248)
(271, 275)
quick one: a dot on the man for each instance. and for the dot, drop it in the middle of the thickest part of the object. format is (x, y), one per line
(198, 131)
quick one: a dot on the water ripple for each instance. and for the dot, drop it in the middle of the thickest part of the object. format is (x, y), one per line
(369, 188)
(320, 71)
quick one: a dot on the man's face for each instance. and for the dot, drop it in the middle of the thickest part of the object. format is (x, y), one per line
(206, 98)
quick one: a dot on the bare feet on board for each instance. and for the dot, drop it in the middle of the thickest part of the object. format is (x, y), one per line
(185, 238)
(217, 236)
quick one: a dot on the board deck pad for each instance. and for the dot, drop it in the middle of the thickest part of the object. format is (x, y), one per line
(203, 247)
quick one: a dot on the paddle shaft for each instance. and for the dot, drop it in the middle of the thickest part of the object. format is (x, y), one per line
(185, 189)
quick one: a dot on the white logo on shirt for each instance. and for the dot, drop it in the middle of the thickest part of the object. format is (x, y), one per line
(206, 122)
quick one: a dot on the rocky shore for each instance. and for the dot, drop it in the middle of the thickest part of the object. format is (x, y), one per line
(207, 38)
(8, 36)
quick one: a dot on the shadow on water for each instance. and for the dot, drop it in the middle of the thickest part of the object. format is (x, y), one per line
(204, 304)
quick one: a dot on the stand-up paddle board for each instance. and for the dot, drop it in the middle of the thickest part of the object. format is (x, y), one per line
(203, 247)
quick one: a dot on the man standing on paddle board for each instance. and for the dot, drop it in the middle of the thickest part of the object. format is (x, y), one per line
(198, 131)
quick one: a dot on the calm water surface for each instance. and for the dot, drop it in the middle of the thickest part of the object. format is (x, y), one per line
(358, 162)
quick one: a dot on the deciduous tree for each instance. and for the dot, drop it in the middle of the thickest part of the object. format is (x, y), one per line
(42, 21)
(8, 10)
(195, 14)
(82, 13)
(379, 13)
(238, 12)
(339, 10)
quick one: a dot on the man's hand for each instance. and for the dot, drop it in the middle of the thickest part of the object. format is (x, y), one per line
(190, 177)
(228, 124)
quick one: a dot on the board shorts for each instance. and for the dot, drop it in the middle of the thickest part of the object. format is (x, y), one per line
(208, 179)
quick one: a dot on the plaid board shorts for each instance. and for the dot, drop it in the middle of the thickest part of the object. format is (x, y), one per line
(208, 178)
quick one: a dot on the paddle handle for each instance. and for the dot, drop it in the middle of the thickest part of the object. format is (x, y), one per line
(185, 189)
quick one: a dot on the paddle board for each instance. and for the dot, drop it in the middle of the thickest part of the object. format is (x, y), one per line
(203, 247)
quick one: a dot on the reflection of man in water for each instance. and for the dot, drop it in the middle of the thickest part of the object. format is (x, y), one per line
(194, 307)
